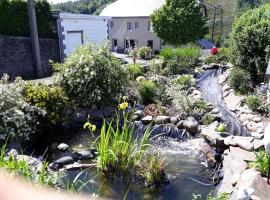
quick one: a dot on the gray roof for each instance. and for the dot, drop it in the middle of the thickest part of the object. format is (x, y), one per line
(132, 8)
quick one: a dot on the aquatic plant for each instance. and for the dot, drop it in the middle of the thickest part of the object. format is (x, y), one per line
(262, 162)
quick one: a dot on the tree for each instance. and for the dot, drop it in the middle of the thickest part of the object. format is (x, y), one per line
(249, 42)
(179, 22)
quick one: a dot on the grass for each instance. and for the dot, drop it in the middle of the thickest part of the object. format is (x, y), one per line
(262, 162)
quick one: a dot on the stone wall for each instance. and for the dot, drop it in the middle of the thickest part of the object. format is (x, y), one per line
(16, 56)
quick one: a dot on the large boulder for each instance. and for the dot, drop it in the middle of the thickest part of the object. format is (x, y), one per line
(191, 125)
(162, 119)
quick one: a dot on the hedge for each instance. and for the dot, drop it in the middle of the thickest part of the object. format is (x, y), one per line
(14, 19)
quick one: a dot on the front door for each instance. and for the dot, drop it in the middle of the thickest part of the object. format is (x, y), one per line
(150, 44)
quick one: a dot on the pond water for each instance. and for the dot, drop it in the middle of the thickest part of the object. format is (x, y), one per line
(184, 167)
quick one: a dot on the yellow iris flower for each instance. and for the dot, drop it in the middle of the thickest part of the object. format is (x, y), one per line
(123, 106)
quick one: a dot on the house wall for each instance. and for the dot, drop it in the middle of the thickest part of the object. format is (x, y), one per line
(16, 56)
(94, 29)
(142, 34)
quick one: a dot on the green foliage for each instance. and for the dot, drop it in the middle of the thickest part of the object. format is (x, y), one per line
(262, 162)
(14, 18)
(155, 67)
(208, 119)
(253, 102)
(245, 5)
(135, 70)
(172, 22)
(144, 52)
(222, 196)
(250, 39)
(92, 76)
(18, 119)
(223, 56)
(181, 60)
(21, 167)
(52, 99)
(221, 128)
(148, 91)
(185, 81)
(83, 6)
(240, 80)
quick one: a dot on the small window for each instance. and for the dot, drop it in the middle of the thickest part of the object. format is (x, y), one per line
(129, 26)
(114, 42)
(136, 25)
(112, 25)
(149, 26)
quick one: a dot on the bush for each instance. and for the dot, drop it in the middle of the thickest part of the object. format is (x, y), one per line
(221, 128)
(147, 91)
(18, 119)
(181, 60)
(223, 56)
(208, 119)
(185, 81)
(135, 70)
(92, 76)
(250, 39)
(240, 81)
(262, 162)
(52, 99)
(144, 52)
(253, 102)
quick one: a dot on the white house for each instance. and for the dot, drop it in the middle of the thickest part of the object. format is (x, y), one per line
(77, 29)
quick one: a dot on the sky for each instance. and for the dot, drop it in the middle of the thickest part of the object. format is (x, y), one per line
(58, 1)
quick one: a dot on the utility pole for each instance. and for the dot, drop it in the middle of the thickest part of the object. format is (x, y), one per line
(34, 38)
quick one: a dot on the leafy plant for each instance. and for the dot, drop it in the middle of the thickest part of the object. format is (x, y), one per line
(52, 99)
(223, 56)
(262, 162)
(208, 119)
(92, 76)
(250, 39)
(167, 53)
(240, 81)
(221, 128)
(135, 70)
(148, 91)
(144, 52)
(253, 102)
(185, 81)
(222, 196)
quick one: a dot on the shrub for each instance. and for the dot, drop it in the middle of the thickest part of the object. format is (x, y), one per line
(250, 38)
(147, 91)
(240, 81)
(52, 99)
(185, 81)
(135, 70)
(144, 52)
(223, 56)
(261, 162)
(92, 76)
(221, 128)
(208, 119)
(181, 60)
(18, 119)
(253, 102)
(156, 67)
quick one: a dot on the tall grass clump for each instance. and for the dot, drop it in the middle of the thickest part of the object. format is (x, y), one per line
(262, 162)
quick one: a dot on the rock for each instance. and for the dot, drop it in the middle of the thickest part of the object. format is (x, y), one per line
(235, 178)
(62, 147)
(232, 101)
(229, 141)
(209, 154)
(225, 88)
(252, 178)
(174, 120)
(191, 125)
(13, 153)
(162, 119)
(243, 194)
(258, 144)
(237, 139)
(225, 94)
(85, 155)
(248, 146)
(147, 120)
(215, 111)
(222, 79)
(180, 124)
(210, 135)
(239, 153)
(139, 113)
(60, 163)
(256, 135)
(140, 78)
(238, 166)
(182, 116)
(257, 119)
(33, 162)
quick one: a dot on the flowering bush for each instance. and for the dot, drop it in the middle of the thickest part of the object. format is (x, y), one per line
(17, 117)
(92, 75)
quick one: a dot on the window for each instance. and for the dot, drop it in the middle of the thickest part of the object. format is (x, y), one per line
(136, 25)
(149, 26)
(129, 26)
(112, 25)
(114, 42)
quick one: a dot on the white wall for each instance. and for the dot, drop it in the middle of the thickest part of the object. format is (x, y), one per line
(94, 28)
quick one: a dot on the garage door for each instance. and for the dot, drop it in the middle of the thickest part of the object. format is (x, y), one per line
(74, 40)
